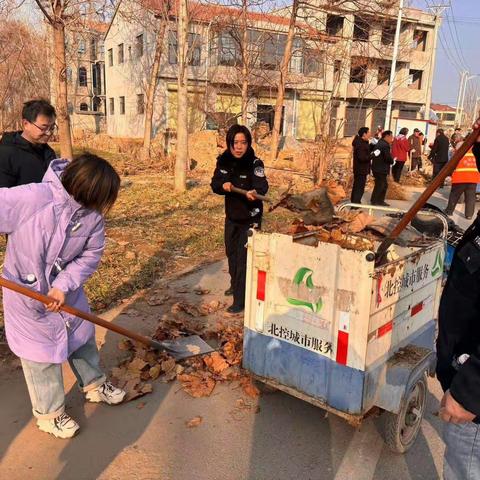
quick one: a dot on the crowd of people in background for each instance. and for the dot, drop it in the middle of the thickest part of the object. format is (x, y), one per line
(383, 155)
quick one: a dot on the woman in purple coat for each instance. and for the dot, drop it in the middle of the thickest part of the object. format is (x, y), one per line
(56, 237)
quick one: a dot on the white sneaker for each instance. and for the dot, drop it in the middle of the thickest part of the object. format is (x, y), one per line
(62, 426)
(107, 393)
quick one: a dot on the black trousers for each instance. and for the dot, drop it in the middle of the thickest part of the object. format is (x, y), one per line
(236, 235)
(469, 189)
(380, 189)
(358, 189)
(397, 171)
(436, 170)
(416, 163)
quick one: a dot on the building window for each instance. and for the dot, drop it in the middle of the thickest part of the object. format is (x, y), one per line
(139, 46)
(267, 48)
(388, 35)
(415, 79)
(194, 49)
(361, 30)
(110, 57)
(111, 108)
(420, 40)
(68, 73)
(172, 48)
(130, 58)
(120, 53)
(82, 77)
(358, 71)
(82, 47)
(312, 62)
(296, 62)
(121, 107)
(383, 75)
(93, 48)
(97, 104)
(140, 104)
(228, 50)
(334, 25)
(83, 107)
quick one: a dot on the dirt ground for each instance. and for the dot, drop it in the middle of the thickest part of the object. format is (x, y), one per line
(273, 437)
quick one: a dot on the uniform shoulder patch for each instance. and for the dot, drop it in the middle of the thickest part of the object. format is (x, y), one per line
(223, 171)
(259, 172)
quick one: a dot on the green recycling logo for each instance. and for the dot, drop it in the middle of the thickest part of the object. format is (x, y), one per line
(438, 265)
(304, 276)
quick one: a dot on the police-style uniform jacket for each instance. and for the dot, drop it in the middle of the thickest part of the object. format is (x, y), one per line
(248, 173)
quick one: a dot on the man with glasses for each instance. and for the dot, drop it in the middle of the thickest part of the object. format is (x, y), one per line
(25, 155)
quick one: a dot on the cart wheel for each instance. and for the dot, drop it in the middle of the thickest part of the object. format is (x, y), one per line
(401, 430)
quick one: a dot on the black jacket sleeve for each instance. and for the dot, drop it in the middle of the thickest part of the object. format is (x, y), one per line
(465, 387)
(221, 175)
(8, 177)
(476, 152)
(259, 180)
(387, 155)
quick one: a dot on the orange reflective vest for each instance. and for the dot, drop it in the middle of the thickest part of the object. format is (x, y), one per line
(466, 171)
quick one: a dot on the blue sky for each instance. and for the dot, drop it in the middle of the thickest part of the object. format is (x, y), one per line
(457, 47)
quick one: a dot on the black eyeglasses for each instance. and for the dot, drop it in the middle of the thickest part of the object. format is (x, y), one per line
(50, 129)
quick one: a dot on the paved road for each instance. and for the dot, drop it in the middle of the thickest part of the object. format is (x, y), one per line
(286, 439)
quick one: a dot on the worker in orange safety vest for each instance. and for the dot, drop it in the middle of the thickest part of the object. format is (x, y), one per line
(464, 180)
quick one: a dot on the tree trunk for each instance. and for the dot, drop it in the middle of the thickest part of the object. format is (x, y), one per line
(182, 101)
(244, 64)
(277, 121)
(152, 87)
(61, 106)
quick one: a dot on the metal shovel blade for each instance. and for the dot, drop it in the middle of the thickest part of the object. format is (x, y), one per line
(184, 347)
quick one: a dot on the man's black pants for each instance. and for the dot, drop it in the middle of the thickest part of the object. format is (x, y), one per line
(380, 189)
(358, 189)
(236, 235)
(397, 171)
(469, 189)
(436, 170)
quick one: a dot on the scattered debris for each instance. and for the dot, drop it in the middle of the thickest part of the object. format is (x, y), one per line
(396, 192)
(194, 422)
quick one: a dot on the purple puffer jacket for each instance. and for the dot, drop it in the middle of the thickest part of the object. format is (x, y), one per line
(52, 242)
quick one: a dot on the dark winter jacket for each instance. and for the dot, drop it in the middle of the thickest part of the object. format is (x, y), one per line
(381, 158)
(21, 162)
(439, 152)
(361, 156)
(459, 328)
(248, 173)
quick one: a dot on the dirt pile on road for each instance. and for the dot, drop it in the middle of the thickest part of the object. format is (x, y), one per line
(396, 191)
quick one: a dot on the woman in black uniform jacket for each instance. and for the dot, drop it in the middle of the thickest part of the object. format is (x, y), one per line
(239, 167)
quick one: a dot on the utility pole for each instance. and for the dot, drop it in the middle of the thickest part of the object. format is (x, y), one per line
(463, 76)
(462, 102)
(437, 10)
(396, 44)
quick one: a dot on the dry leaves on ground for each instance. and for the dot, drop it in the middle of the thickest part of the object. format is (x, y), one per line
(194, 422)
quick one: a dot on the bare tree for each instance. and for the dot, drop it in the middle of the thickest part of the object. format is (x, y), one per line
(182, 100)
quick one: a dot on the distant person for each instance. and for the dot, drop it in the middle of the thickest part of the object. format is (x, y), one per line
(377, 135)
(238, 166)
(381, 162)
(25, 155)
(456, 137)
(400, 149)
(416, 144)
(439, 153)
(361, 163)
(464, 181)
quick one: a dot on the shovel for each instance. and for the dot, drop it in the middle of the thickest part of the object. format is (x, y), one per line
(185, 347)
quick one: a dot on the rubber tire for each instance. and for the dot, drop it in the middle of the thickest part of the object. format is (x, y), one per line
(429, 225)
(392, 423)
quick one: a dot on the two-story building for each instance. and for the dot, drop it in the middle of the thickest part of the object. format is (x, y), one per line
(338, 75)
(447, 115)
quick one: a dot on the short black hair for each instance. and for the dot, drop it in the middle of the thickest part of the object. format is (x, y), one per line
(234, 130)
(33, 108)
(386, 133)
(403, 131)
(458, 128)
(363, 131)
(92, 182)
(416, 130)
(441, 131)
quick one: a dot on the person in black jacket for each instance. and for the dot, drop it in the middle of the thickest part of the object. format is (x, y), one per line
(361, 163)
(239, 167)
(25, 155)
(381, 162)
(439, 152)
(458, 355)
